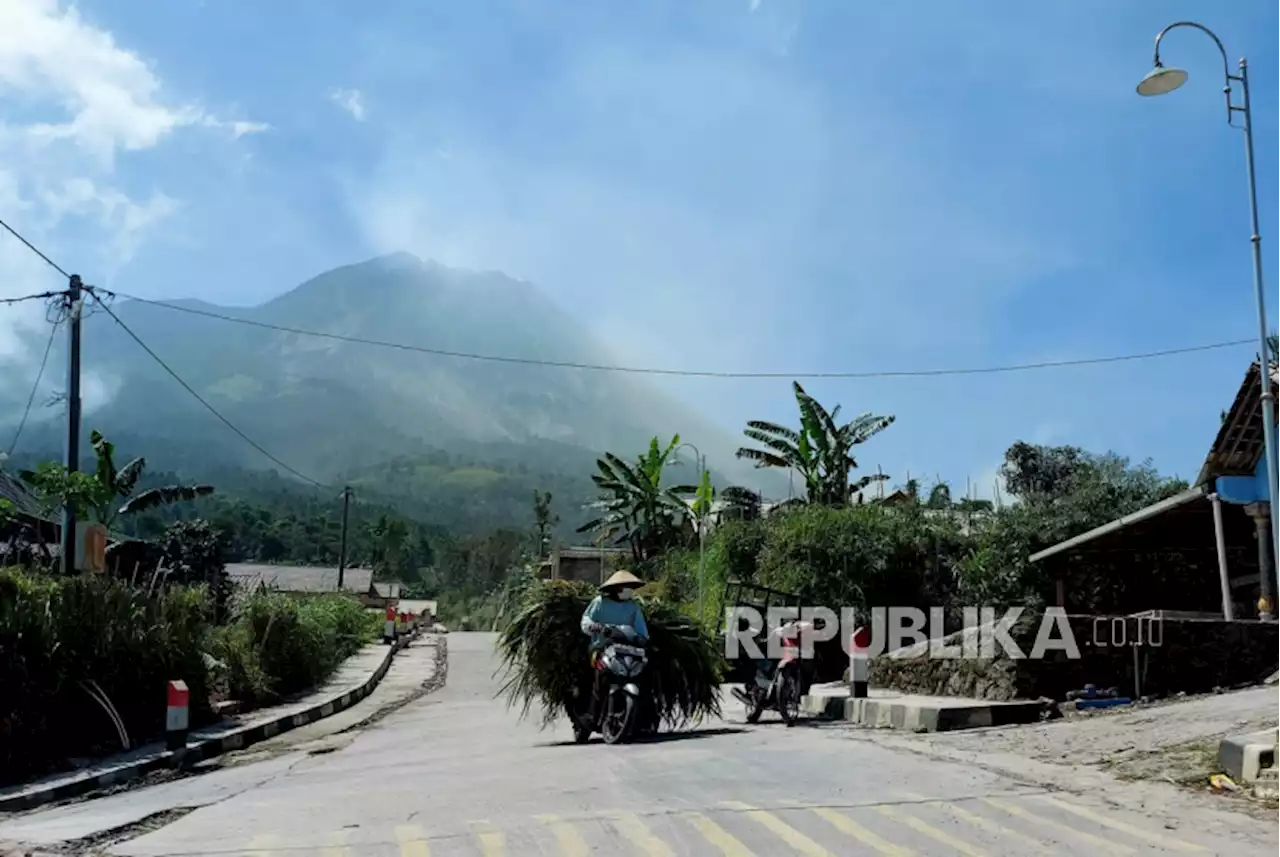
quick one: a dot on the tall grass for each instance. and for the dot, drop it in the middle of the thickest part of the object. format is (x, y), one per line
(61, 636)
(280, 644)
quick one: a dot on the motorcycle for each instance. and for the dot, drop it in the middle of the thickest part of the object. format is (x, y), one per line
(621, 662)
(775, 686)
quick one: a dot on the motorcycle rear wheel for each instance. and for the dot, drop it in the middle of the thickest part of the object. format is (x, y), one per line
(756, 706)
(789, 698)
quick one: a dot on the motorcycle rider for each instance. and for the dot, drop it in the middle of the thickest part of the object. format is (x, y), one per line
(613, 606)
(791, 630)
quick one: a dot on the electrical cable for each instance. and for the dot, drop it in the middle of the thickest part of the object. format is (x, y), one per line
(18, 300)
(210, 408)
(694, 373)
(34, 249)
(26, 412)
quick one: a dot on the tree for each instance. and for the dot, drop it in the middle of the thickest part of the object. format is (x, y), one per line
(194, 553)
(820, 451)
(95, 495)
(1031, 470)
(635, 509)
(939, 497)
(740, 504)
(390, 535)
(544, 520)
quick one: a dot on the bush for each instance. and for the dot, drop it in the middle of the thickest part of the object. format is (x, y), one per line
(280, 644)
(59, 635)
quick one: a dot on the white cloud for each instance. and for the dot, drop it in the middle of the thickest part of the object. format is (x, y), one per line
(72, 99)
(110, 98)
(350, 100)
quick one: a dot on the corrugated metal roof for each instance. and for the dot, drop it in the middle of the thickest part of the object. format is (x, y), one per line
(300, 578)
(12, 489)
(1120, 523)
(1238, 447)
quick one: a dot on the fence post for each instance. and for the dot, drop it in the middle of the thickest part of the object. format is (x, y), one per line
(859, 664)
(176, 717)
(389, 627)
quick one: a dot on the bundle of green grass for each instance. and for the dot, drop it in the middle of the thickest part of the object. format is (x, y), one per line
(546, 659)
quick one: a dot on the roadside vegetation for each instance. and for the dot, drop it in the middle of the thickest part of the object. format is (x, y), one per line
(85, 660)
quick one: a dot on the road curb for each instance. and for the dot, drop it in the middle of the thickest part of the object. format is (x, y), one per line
(28, 797)
(888, 714)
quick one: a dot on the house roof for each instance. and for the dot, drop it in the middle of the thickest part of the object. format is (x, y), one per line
(589, 552)
(300, 578)
(1121, 523)
(20, 496)
(1239, 445)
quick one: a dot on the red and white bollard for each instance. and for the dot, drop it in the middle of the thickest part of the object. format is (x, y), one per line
(859, 662)
(176, 716)
(389, 627)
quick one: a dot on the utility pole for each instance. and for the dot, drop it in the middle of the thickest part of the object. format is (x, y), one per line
(75, 302)
(342, 550)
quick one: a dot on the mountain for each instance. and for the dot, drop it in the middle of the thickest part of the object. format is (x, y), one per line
(331, 408)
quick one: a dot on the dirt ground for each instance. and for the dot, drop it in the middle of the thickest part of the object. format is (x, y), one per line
(1175, 740)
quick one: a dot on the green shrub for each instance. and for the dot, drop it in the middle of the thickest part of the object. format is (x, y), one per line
(59, 635)
(280, 644)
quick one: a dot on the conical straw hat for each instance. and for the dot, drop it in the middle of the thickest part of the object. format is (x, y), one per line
(622, 579)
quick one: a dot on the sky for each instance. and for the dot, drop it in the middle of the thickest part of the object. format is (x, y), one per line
(736, 185)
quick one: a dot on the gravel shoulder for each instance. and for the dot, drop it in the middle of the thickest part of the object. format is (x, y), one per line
(1124, 737)
(1167, 743)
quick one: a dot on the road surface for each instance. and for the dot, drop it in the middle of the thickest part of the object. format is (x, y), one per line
(457, 773)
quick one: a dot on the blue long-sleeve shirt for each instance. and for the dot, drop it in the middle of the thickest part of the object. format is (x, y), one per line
(606, 611)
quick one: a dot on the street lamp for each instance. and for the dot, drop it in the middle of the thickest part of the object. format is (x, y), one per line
(702, 541)
(1161, 80)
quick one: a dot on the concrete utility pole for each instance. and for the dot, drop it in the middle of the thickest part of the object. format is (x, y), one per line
(75, 302)
(342, 550)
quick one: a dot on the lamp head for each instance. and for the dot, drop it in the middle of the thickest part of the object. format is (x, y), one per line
(1161, 80)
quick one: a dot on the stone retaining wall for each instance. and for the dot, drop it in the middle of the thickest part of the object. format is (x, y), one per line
(1174, 655)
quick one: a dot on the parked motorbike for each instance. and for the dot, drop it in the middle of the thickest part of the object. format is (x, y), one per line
(621, 662)
(777, 686)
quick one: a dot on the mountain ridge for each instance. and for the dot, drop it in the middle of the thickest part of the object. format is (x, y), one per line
(320, 404)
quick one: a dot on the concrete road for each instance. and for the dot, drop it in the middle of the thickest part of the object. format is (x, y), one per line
(457, 773)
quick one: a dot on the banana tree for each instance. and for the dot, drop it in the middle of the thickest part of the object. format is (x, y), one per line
(820, 451)
(96, 495)
(635, 509)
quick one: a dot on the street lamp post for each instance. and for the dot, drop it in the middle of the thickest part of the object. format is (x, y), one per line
(1159, 81)
(702, 541)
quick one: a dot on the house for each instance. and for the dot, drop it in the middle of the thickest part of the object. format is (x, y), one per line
(29, 528)
(1207, 550)
(583, 563)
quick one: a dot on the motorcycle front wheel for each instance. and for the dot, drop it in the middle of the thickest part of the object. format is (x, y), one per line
(618, 718)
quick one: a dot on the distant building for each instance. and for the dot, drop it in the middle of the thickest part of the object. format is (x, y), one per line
(591, 564)
(302, 579)
(29, 528)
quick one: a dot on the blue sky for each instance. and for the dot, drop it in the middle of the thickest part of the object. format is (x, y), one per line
(738, 185)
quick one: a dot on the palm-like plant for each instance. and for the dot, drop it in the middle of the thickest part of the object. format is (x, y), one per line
(97, 494)
(636, 510)
(820, 451)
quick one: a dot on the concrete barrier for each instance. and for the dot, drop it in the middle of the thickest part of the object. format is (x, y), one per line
(1244, 757)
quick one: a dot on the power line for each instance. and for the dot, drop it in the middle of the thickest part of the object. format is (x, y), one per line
(40, 296)
(26, 412)
(34, 249)
(695, 373)
(210, 408)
